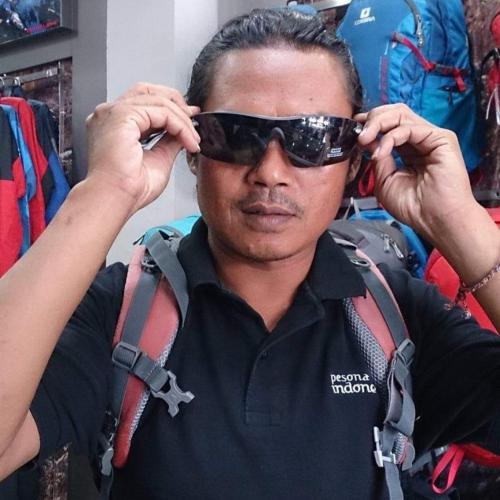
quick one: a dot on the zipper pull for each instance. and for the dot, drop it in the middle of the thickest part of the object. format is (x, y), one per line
(387, 242)
(419, 31)
(397, 250)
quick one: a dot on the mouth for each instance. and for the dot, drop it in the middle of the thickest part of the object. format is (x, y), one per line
(267, 218)
(265, 209)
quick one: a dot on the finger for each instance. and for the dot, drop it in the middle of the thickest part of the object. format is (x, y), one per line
(164, 153)
(385, 118)
(424, 139)
(384, 170)
(371, 146)
(150, 89)
(394, 109)
(389, 141)
(151, 117)
(157, 100)
(407, 153)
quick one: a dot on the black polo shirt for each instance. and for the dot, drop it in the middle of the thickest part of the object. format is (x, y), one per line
(270, 419)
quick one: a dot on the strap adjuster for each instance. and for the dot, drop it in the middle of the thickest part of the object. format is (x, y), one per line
(380, 458)
(148, 264)
(405, 352)
(125, 355)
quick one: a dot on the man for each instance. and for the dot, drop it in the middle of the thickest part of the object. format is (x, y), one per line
(265, 333)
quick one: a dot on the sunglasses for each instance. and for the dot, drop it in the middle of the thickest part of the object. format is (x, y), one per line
(308, 141)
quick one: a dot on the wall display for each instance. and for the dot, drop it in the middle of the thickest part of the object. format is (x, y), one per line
(24, 19)
(52, 85)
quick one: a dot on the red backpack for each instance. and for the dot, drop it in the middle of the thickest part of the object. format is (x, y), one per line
(439, 272)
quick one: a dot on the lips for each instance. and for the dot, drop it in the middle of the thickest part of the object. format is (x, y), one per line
(265, 209)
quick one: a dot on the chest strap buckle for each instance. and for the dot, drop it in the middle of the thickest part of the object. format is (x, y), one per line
(174, 396)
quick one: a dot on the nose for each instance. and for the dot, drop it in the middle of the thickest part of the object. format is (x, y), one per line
(274, 168)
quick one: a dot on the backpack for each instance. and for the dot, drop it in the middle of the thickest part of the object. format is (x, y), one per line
(490, 68)
(402, 247)
(439, 272)
(416, 52)
(154, 308)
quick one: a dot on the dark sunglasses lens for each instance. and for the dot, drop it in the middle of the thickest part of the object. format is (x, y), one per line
(231, 138)
(317, 141)
(310, 141)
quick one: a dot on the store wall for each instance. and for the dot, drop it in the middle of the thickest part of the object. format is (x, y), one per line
(231, 8)
(159, 48)
(175, 34)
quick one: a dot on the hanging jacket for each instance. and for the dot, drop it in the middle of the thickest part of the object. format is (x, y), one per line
(43, 175)
(46, 127)
(29, 173)
(12, 188)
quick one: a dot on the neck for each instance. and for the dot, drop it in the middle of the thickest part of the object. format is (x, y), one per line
(269, 287)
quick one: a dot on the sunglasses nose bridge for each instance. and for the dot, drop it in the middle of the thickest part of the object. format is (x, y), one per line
(277, 133)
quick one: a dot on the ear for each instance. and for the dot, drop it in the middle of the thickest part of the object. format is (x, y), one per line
(192, 161)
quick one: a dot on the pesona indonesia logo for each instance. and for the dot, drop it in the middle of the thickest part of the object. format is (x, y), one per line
(352, 383)
(365, 16)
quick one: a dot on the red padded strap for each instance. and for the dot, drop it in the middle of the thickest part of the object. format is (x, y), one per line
(156, 341)
(370, 313)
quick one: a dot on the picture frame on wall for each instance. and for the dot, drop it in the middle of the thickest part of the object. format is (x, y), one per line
(22, 20)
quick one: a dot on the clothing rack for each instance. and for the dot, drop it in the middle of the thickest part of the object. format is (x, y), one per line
(7, 81)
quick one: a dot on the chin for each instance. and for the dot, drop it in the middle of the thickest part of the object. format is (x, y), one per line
(264, 251)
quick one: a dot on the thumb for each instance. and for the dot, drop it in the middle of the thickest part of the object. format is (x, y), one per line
(163, 154)
(383, 167)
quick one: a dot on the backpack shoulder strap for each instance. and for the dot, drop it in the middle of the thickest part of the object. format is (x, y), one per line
(376, 316)
(154, 306)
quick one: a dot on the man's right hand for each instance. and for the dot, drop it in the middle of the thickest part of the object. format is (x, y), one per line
(116, 156)
(60, 266)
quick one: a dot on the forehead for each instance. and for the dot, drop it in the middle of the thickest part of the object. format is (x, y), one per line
(279, 81)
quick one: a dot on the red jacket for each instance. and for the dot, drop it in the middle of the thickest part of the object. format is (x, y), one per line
(12, 187)
(27, 122)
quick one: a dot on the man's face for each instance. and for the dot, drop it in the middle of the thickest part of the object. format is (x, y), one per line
(273, 211)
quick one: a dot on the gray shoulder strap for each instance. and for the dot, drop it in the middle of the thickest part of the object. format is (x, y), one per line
(166, 259)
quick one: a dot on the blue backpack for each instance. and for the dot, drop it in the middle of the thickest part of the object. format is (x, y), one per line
(417, 52)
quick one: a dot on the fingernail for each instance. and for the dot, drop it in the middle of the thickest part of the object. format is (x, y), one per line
(376, 152)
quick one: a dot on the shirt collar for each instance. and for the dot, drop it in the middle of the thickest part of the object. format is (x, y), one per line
(332, 275)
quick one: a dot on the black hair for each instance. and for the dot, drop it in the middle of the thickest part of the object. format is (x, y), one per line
(263, 28)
